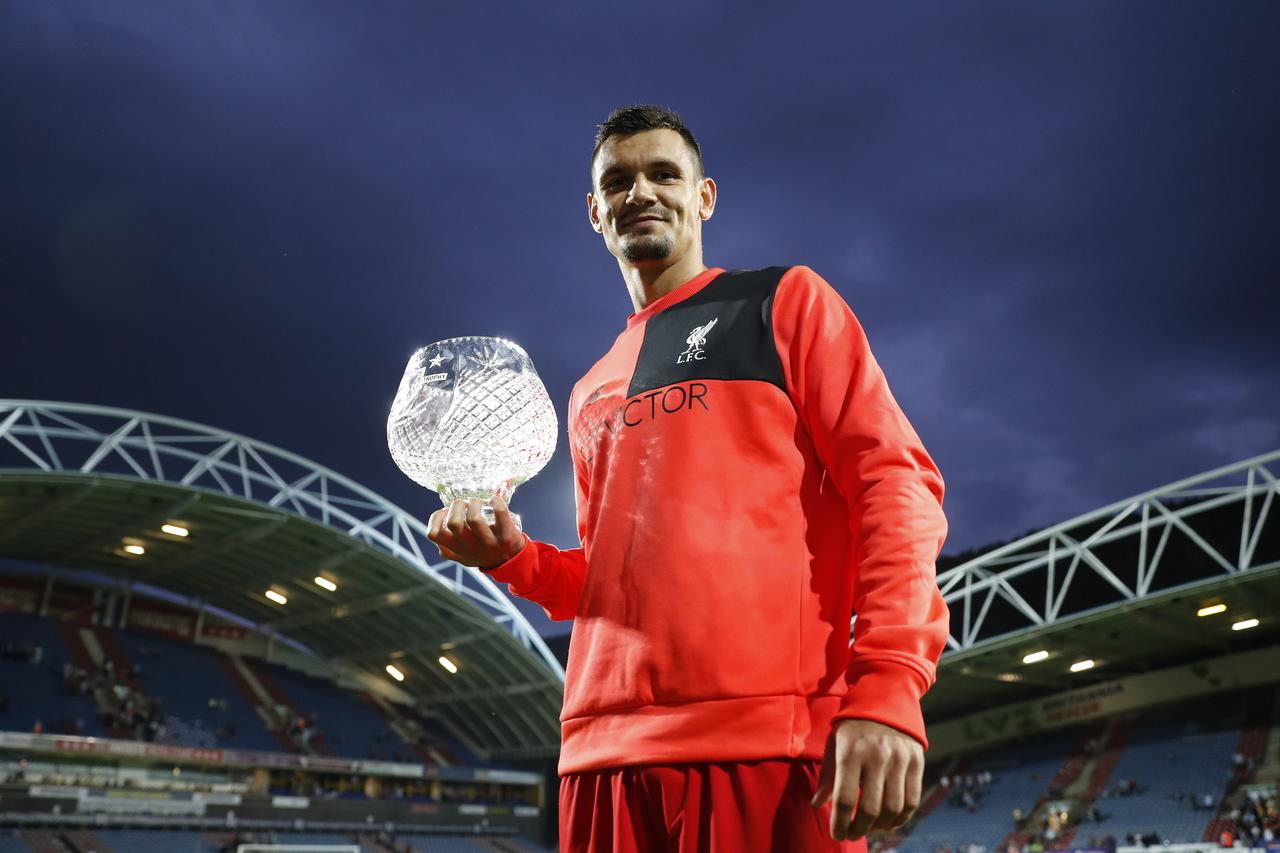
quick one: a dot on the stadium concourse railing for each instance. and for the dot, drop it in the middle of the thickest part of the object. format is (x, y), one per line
(81, 438)
(1118, 552)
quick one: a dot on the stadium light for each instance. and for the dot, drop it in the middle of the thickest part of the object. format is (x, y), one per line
(175, 530)
(135, 549)
(326, 584)
(1035, 657)
(1081, 665)
(448, 664)
(1212, 610)
(1244, 625)
(276, 597)
(395, 673)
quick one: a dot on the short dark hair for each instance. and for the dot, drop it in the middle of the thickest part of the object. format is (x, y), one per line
(634, 119)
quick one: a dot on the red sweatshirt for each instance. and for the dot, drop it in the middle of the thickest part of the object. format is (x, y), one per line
(745, 483)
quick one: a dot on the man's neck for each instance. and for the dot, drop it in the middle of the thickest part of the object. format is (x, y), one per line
(647, 284)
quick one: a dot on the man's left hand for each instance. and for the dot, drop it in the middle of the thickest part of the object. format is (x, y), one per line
(874, 769)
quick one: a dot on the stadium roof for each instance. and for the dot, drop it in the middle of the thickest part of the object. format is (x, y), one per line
(1120, 587)
(81, 484)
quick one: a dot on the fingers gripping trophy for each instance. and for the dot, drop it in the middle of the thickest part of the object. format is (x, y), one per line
(472, 421)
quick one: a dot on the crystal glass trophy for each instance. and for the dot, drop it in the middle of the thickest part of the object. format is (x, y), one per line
(471, 420)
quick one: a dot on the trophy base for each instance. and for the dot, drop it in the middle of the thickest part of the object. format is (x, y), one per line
(491, 517)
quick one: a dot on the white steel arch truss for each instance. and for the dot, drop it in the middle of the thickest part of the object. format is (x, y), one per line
(84, 439)
(1121, 553)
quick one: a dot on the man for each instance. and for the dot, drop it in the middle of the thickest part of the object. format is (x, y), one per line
(745, 481)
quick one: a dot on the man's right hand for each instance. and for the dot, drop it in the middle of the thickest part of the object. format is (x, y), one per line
(463, 535)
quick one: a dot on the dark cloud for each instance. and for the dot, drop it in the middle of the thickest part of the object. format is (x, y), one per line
(1055, 221)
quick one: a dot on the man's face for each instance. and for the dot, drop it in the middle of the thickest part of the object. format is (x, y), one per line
(647, 199)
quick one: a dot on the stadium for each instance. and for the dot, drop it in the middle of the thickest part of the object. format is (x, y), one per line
(211, 643)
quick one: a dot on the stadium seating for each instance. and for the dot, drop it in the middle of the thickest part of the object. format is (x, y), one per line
(184, 676)
(42, 696)
(11, 842)
(1166, 757)
(352, 727)
(450, 747)
(1021, 773)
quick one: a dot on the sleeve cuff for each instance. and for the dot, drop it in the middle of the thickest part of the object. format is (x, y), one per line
(519, 571)
(887, 693)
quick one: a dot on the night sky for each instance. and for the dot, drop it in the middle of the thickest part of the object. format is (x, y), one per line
(1057, 222)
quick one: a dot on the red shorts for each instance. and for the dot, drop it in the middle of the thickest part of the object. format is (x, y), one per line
(739, 807)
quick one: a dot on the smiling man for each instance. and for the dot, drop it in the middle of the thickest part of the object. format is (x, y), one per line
(745, 483)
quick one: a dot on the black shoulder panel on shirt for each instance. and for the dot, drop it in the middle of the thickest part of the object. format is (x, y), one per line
(724, 331)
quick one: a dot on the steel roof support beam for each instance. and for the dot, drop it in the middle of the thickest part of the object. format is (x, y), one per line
(971, 588)
(257, 472)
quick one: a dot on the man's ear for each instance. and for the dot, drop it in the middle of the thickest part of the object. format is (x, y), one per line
(706, 199)
(593, 213)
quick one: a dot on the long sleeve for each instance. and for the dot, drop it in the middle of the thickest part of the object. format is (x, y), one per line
(543, 573)
(894, 491)
(546, 575)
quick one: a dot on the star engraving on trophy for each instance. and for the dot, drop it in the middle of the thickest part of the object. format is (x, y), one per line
(435, 362)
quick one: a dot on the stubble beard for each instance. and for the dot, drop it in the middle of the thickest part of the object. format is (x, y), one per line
(647, 248)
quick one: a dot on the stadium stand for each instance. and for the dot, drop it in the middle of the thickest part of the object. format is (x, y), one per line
(220, 711)
(1170, 778)
(35, 841)
(186, 677)
(346, 724)
(977, 812)
(1162, 775)
(34, 656)
(11, 841)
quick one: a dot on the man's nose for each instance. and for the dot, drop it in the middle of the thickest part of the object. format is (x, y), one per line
(641, 192)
